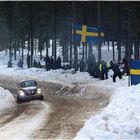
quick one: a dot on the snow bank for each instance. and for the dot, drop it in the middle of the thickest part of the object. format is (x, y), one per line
(119, 120)
(7, 102)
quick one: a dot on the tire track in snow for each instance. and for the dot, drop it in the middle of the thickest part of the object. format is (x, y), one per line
(23, 125)
(70, 113)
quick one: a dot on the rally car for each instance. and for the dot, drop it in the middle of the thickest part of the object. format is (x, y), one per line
(28, 90)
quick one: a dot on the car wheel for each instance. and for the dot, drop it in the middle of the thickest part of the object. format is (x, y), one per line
(19, 100)
(41, 97)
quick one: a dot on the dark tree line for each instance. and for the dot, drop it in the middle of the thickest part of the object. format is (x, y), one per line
(22, 21)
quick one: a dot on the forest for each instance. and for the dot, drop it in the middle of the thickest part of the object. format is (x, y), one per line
(27, 23)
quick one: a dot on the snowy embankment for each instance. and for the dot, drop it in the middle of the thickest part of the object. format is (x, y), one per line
(120, 119)
(7, 102)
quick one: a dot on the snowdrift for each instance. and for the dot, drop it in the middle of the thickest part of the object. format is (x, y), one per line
(7, 102)
(120, 119)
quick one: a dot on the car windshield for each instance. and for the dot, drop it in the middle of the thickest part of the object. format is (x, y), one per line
(30, 83)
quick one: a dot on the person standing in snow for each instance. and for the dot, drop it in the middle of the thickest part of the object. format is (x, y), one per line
(35, 64)
(28, 60)
(58, 63)
(51, 63)
(9, 64)
(103, 70)
(20, 64)
(47, 62)
(116, 70)
(91, 61)
(126, 67)
(82, 65)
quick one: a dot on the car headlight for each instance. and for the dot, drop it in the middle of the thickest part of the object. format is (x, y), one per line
(21, 93)
(38, 91)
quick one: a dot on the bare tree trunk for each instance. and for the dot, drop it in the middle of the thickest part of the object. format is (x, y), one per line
(31, 35)
(83, 53)
(74, 44)
(52, 47)
(40, 43)
(10, 51)
(136, 49)
(119, 40)
(129, 46)
(47, 46)
(99, 27)
(89, 49)
(86, 51)
(108, 44)
(55, 47)
(113, 48)
(28, 44)
(71, 38)
(15, 49)
(63, 50)
(22, 46)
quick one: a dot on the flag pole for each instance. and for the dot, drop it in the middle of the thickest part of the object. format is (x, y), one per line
(129, 81)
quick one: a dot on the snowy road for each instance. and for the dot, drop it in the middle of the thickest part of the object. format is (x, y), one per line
(61, 116)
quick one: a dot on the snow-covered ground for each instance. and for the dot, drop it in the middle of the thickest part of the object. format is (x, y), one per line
(7, 102)
(23, 126)
(119, 120)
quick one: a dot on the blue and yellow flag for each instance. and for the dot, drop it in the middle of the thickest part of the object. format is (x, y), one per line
(135, 71)
(82, 33)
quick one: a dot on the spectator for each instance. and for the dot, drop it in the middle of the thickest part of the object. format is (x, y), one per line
(51, 62)
(9, 64)
(116, 70)
(47, 62)
(35, 64)
(82, 65)
(103, 70)
(20, 64)
(58, 63)
(126, 67)
(39, 65)
(28, 61)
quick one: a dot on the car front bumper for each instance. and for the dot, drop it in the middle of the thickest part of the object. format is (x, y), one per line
(29, 97)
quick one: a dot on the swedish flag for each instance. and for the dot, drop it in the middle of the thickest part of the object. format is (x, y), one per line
(135, 71)
(86, 34)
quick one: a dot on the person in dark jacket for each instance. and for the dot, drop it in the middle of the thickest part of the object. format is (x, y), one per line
(91, 61)
(39, 65)
(35, 64)
(52, 63)
(28, 61)
(103, 70)
(47, 62)
(126, 67)
(9, 64)
(20, 64)
(116, 70)
(97, 71)
(75, 66)
(58, 63)
(82, 65)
